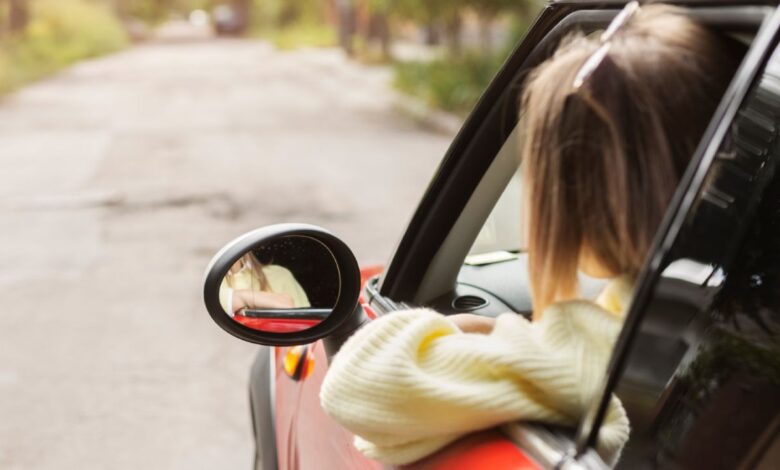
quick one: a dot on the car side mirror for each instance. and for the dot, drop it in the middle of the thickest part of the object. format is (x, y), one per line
(285, 285)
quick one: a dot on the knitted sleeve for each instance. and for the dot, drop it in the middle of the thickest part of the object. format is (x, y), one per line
(409, 383)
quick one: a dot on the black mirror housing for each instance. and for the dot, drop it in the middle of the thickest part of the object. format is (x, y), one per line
(345, 316)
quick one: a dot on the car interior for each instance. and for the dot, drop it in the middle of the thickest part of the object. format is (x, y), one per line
(480, 266)
(477, 264)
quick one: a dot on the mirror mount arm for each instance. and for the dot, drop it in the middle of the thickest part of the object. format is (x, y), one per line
(335, 340)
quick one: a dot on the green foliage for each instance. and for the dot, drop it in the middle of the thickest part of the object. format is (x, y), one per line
(6, 80)
(438, 10)
(304, 35)
(289, 24)
(149, 11)
(271, 15)
(493, 7)
(426, 11)
(725, 354)
(452, 84)
(157, 11)
(59, 33)
(455, 83)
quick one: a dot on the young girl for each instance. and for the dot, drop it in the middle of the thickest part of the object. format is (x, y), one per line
(250, 284)
(609, 124)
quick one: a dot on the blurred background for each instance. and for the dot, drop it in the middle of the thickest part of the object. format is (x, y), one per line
(139, 136)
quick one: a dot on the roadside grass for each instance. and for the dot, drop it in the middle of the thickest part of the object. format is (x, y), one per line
(60, 33)
(452, 84)
(302, 34)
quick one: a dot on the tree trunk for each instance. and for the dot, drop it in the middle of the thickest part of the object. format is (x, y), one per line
(243, 10)
(347, 24)
(380, 30)
(18, 15)
(432, 34)
(486, 33)
(454, 26)
(119, 8)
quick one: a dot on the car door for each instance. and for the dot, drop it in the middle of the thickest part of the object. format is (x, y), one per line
(697, 366)
(305, 435)
(428, 265)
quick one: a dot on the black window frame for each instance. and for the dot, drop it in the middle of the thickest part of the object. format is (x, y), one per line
(762, 47)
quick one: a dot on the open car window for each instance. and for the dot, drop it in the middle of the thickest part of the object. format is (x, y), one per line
(467, 237)
(503, 231)
(497, 262)
(698, 365)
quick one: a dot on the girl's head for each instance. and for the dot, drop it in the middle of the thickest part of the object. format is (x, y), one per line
(254, 267)
(601, 160)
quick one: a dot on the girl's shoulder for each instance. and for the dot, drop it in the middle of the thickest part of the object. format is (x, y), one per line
(276, 271)
(616, 296)
(584, 321)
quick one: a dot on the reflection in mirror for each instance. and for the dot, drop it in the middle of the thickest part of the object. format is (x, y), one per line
(286, 285)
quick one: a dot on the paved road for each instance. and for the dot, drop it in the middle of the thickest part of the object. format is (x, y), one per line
(120, 178)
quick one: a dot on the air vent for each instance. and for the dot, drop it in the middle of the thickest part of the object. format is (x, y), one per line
(467, 303)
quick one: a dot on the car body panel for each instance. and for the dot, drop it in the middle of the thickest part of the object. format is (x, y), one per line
(276, 325)
(482, 450)
(301, 419)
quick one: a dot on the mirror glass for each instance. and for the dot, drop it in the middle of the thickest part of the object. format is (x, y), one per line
(285, 285)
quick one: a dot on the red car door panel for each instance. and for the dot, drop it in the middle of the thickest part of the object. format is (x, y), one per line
(482, 450)
(306, 436)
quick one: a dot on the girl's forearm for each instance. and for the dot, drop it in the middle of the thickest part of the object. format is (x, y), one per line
(257, 299)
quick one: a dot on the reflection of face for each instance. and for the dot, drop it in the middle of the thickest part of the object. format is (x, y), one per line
(269, 297)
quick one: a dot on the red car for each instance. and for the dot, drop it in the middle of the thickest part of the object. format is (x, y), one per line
(697, 365)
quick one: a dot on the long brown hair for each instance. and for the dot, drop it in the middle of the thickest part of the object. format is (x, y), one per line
(252, 263)
(602, 161)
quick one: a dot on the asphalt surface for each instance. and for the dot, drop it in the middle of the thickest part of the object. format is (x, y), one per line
(120, 178)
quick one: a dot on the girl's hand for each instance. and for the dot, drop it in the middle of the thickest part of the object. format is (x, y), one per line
(246, 298)
(470, 323)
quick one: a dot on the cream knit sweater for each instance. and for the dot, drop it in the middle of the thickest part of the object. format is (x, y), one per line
(411, 382)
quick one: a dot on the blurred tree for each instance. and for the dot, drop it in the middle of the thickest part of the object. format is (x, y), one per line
(155, 11)
(243, 9)
(446, 16)
(378, 27)
(3, 18)
(488, 10)
(347, 21)
(18, 15)
(151, 11)
(437, 17)
(274, 14)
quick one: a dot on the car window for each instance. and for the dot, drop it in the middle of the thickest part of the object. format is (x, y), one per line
(497, 262)
(503, 229)
(460, 238)
(429, 256)
(702, 376)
